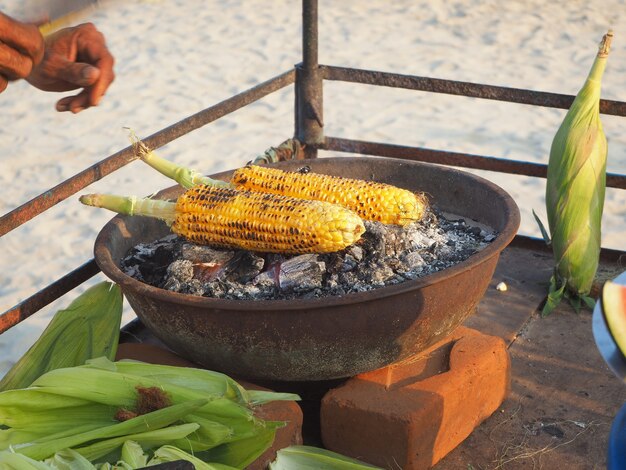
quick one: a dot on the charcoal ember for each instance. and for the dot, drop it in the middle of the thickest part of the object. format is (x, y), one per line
(385, 255)
(378, 274)
(301, 273)
(243, 267)
(373, 240)
(181, 269)
(355, 251)
(194, 287)
(215, 289)
(199, 254)
(413, 260)
(349, 263)
(207, 272)
(155, 267)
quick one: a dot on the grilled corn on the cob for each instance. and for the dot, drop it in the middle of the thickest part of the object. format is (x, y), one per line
(371, 200)
(248, 220)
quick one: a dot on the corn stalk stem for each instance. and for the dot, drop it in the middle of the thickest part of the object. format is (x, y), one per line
(186, 177)
(132, 205)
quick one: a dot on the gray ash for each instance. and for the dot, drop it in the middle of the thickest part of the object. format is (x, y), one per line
(385, 255)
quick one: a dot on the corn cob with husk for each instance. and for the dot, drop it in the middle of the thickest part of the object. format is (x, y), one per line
(87, 329)
(242, 219)
(96, 408)
(370, 200)
(575, 189)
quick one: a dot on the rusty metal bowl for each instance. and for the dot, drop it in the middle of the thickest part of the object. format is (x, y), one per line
(327, 338)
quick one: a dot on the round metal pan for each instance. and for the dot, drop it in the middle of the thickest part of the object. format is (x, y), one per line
(326, 338)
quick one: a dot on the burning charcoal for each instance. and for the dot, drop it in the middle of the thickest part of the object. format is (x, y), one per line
(413, 260)
(374, 237)
(204, 254)
(349, 263)
(356, 252)
(301, 273)
(195, 287)
(173, 284)
(214, 289)
(153, 269)
(379, 275)
(181, 269)
(243, 267)
(385, 255)
(265, 279)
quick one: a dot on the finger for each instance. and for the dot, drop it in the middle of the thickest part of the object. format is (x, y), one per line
(24, 37)
(74, 104)
(3, 83)
(14, 65)
(107, 76)
(77, 74)
(93, 50)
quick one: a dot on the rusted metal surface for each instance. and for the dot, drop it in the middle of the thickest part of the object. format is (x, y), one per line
(317, 339)
(290, 149)
(441, 157)
(67, 188)
(309, 115)
(471, 90)
(36, 302)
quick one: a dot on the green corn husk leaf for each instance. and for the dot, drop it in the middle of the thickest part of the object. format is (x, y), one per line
(88, 328)
(108, 387)
(208, 435)
(68, 459)
(13, 437)
(260, 397)
(147, 440)
(34, 401)
(133, 454)
(576, 184)
(313, 458)
(242, 452)
(143, 423)
(206, 381)
(170, 454)
(60, 419)
(12, 461)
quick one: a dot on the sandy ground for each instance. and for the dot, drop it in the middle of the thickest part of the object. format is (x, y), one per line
(177, 57)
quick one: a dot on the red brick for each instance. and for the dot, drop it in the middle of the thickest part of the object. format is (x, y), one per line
(287, 411)
(411, 414)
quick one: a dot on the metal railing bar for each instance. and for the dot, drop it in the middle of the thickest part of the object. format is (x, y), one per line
(72, 185)
(47, 295)
(468, 89)
(477, 162)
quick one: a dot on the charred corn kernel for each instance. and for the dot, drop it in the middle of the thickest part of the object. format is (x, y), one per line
(369, 199)
(247, 220)
(575, 189)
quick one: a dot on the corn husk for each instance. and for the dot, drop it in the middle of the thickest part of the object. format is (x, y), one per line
(155, 420)
(201, 412)
(166, 454)
(313, 458)
(87, 329)
(575, 191)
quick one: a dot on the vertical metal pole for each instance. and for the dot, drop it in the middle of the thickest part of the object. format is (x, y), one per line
(309, 102)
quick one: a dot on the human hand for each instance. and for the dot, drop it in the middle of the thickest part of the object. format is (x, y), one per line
(21, 48)
(75, 57)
